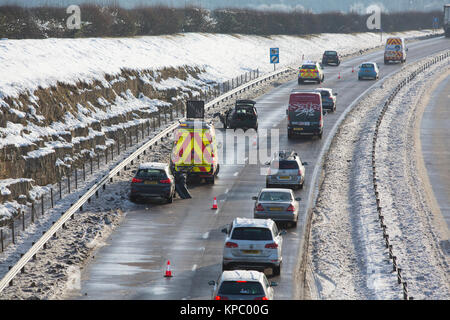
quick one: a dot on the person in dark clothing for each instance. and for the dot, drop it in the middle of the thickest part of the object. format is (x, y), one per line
(180, 185)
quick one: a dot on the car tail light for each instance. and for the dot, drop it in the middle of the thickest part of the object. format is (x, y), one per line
(230, 244)
(269, 172)
(220, 298)
(272, 245)
(259, 207)
(135, 180)
(261, 298)
(290, 208)
(300, 172)
(165, 181)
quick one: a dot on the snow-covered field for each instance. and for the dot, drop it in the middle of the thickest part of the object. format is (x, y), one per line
(348, 253)
(27, 64)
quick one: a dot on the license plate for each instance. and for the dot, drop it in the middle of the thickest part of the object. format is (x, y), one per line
(150, 182)
(275, 209)
(251, 251)
(298, 129)
(285, 178)
(367, 71)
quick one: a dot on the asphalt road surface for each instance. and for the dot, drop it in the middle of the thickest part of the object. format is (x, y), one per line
(434, 136)
(187, 232)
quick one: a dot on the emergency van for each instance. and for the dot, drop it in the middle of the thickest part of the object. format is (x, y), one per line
(395, 50)
(194, 150)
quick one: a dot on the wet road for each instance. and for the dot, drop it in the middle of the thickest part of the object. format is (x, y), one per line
(187, 232)
(435, 141)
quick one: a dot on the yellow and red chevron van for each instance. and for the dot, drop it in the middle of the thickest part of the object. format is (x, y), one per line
(195, 150)
(395, 50)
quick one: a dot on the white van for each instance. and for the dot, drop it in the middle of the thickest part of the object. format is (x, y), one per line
(395, 50)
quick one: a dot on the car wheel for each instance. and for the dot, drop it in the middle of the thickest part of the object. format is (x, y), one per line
(289, 135)
(211, 180)
(320, 135)
(170, 199)
(276, 270)
(301, 185)
(294, 224)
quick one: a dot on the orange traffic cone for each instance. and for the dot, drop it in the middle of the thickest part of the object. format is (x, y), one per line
(339, 77)
(353, 69)
(168, 273)
(214, 207)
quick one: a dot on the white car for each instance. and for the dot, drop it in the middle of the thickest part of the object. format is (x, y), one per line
(242, 285)
(253, 244)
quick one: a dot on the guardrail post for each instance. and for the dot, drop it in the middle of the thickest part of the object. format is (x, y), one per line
(32, 212)
(42, 204)
(68, 181)
(1, 238)
(76, 178)
(51, 196)
(23, 219)
(12, 232)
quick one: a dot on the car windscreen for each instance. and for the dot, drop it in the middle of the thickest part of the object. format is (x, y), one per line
(330, 53)
(275, 196)
(309, 66)
(250, 233)
(284, 164)
(367, 66)
(241, 288)
(151, 174)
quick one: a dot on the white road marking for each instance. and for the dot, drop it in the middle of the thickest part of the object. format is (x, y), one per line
(205, 235)
(236, 173)
(227, 190)
(194, 267)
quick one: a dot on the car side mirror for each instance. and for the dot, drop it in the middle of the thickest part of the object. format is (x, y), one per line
(211, 282)
(224, 230)
(287, 112)
(267, 163)
(273, 284)
(335, 94)
(254, 198)
(406, 49)
(305, 163)
(298, 199)
(282, 232)
(324, 112)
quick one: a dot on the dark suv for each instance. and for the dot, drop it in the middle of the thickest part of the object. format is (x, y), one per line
(244, 116)
(331, 57)
(153, 180)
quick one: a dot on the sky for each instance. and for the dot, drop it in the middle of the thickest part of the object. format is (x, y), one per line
(286, 5)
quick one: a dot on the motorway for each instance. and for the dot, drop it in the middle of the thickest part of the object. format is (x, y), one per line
(187, 232)
(435, 144)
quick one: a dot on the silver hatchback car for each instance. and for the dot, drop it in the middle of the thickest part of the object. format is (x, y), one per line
(242, 285)
(286, 170)
(277, 204)
(253, 244)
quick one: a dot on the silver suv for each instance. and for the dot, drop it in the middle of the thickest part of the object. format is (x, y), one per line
(242, 285)
(253, 244)
(286, 170)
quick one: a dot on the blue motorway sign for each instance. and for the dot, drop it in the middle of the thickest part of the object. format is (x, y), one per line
(274, 55)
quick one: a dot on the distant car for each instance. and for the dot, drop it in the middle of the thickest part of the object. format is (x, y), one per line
(368, 70)
(328, 98)
(311, 71)
(286, 170)
(331, 56)
(253, 244)
(153, 180)
(244, 116)
(242, 285)
(280, 205)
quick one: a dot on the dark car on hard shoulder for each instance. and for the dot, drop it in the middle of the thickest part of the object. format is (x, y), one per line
(243, 116)
(153, 180)
(331, 57)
